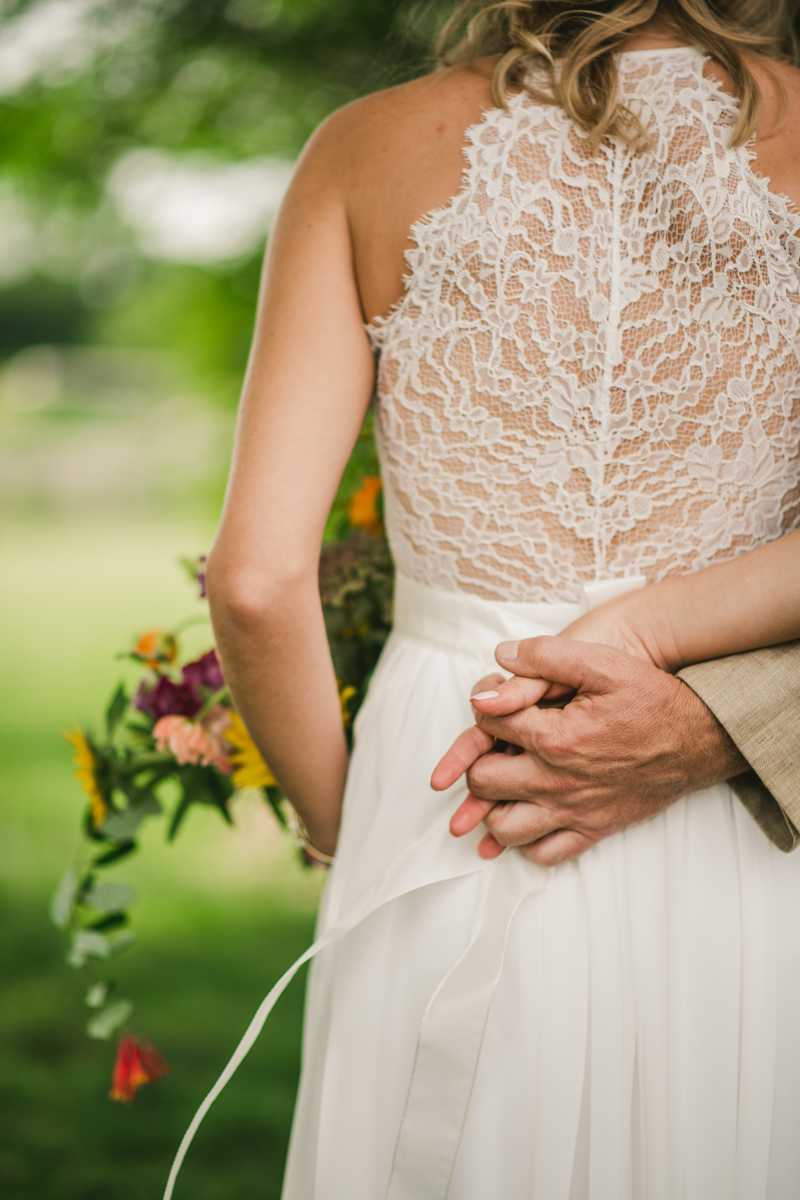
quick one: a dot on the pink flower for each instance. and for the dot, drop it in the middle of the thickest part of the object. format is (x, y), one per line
(196, 742)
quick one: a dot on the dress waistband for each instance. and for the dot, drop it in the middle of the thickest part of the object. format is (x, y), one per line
(469, 626)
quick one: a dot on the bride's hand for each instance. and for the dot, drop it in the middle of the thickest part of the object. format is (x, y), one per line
(620, 623)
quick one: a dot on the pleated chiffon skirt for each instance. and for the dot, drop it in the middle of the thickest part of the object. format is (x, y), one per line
(622, 1027)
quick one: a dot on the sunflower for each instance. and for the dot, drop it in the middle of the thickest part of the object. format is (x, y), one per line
(86, 775)
(249, 768)
(345, 696)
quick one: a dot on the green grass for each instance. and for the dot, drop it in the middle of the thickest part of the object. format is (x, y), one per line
(221, 913)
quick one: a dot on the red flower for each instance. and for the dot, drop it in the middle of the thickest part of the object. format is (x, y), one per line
(204, 673)
(167, 698)
(138, 1062)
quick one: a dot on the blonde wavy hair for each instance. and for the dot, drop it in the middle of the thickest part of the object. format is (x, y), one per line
(583, 39)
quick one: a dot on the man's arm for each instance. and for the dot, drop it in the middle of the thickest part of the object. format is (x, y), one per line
(756, 698)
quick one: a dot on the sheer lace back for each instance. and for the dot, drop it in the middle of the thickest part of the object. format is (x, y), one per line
(594, 369)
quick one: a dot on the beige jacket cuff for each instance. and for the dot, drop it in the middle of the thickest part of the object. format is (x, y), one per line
(756, 698)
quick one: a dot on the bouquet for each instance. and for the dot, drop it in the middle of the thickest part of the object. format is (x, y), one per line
(177, 741)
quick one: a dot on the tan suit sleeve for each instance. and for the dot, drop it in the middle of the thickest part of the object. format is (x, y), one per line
(756, 698)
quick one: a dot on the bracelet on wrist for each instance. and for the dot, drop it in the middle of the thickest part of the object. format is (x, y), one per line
(312, 855)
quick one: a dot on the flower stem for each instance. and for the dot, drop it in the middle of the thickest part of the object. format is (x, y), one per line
(211, 702)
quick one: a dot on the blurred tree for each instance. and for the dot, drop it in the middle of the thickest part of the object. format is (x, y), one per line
(85, 82)
(241, 77)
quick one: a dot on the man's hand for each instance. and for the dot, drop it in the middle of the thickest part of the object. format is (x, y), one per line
(630, 742)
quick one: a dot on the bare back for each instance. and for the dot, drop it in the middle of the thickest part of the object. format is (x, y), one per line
(399, 154)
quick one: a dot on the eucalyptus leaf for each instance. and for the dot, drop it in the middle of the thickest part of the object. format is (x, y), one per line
(96, 995)
(87, 944)
(63, 900)
(112, 920)
(103, 1024)
(115, 853)
(109, 897)
(123, 825)
(123, 941)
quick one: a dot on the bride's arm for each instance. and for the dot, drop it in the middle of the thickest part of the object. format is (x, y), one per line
(750, 602)
(308, 385)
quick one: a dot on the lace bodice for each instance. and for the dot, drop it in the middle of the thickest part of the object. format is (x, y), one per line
(593, 371)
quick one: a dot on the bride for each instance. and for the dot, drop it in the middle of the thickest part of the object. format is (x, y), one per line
(572, 253)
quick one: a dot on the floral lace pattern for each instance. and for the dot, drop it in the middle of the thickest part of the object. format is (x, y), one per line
(594, 369)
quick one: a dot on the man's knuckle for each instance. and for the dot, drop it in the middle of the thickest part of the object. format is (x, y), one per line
(477, 781)
(554, 744)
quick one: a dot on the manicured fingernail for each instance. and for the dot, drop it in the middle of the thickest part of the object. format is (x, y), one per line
(508, 650)
(484, 696)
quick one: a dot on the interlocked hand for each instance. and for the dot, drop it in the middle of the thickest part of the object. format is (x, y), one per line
(554, 780)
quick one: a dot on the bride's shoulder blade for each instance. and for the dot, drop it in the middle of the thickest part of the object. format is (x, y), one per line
(394, 156)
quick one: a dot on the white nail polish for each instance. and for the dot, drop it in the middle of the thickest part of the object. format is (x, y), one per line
(508, 650)
(484, 696)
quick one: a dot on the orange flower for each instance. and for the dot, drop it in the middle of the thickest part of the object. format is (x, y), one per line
(138, 1062)
(156, 648)
(363, 511)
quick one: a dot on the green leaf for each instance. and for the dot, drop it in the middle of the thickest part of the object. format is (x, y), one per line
(96, 995)
(219, 792)
(274, 797)
(116, 709)
(63, 900)
(109, 897)
(114, 854)
(113, 920)
(123, 825)
(86, 943)
(145, 761)
(193, 781)
(120, 943)
(103, 1024)
(183, 806)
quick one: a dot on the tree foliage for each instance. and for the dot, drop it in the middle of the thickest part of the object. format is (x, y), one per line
(233, 79)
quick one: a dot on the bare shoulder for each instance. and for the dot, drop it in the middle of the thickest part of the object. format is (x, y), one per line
(777, 139)
(392, 157)
(407, 120)
(777, 142)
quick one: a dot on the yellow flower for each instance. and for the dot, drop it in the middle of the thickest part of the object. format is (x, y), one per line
(86, 776)
(363, 512)
(249, 768)
(345, 696)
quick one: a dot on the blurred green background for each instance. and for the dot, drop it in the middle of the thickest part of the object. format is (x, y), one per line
(145, 147)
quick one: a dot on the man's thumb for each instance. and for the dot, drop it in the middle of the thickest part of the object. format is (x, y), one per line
(582, 666)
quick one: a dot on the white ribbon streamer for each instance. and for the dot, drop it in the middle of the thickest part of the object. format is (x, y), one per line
(434, 858)
(451, 1038)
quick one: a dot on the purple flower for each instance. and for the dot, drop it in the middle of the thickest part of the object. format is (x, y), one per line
(167, 699)
(204, 673)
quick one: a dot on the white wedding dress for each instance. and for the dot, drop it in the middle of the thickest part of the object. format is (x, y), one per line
(592, 376)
